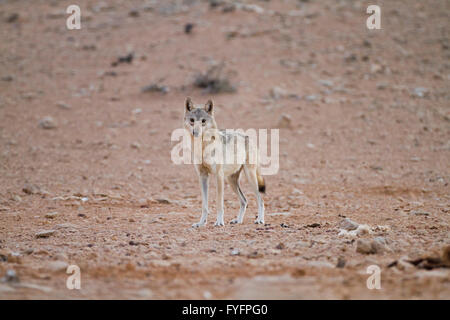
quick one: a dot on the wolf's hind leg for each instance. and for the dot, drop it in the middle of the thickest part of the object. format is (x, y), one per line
(250, 172)
(233, 180)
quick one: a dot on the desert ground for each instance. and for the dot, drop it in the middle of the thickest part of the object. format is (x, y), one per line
(86, 176)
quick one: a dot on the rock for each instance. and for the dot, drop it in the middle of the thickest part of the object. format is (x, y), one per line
(13, 17)
(235, 252)
(326, 83)
(136, 145)
(280, 246)
(348, 224)
(313, 225)
(350, 57)
(31, 189)
(14, 257)
(420, 213)
(188, 28)
(254, 255)
(278, 93)
(143, 203)
(421, 92)
(62, 105)
(445, 256)
(45, 233)
(284, 122)
(128, 58)
(379, 244)
(364, 246)
(134, 13)
(57, 266)
(320, 264)
(155, 88)
(374, 246)
(47, 123)
(311, 98)
(7, 78)
(382, 85)
(10, 277)
(341, 262)
(163, 201)
(51, 215)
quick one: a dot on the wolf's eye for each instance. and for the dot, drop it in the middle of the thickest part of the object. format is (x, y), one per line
(192, 120)
(203, 121)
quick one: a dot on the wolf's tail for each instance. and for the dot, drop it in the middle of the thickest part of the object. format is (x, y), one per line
(261, 182)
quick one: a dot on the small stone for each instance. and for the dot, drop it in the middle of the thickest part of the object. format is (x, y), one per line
(364, 246)
(13, 17)
(134, 13)
(284, 122)
(280, 246)
(188, 28)
(136, 145)
(62, 105)
(51, 215)
(326, 83)
(421, 92)
(341, 262)
(278, 93)
(47, 123)
(45, 233)
(31, 189)
(235, 252)
(313, 225)
(57, 266)
(348, 224)
(379, 244)
(14, 257)
(163, 201)
(10, 276)
(254, 255)
(420, 213)
(311, 98)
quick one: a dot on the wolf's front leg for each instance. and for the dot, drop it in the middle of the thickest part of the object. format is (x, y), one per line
(220, 187)
(204, 179)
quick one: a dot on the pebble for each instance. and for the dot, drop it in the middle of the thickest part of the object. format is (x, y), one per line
(62, 105)
(51, 215)
(366, 246)
(284, 122)
(278, 93)
(10, 276)
(348, 224)
(47, 123)
(45, 233)
(57, 266)
(235, 252)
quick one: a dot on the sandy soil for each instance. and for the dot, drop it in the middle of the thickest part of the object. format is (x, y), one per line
(369, 140)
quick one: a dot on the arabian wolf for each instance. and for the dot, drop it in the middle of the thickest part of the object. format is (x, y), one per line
(200, 123)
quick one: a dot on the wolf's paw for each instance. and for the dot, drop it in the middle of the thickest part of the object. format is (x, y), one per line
(235, 221)
(219, 223)
(259, 221)
(198, 224)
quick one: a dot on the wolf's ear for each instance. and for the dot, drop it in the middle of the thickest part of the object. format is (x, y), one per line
(189, 104)
(209, 107)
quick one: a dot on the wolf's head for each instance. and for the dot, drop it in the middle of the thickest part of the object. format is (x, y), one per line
(197, 120)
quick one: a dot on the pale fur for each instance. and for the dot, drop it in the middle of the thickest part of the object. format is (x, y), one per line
(196, 121)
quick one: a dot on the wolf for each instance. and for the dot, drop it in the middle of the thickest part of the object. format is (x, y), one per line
(200, 123)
